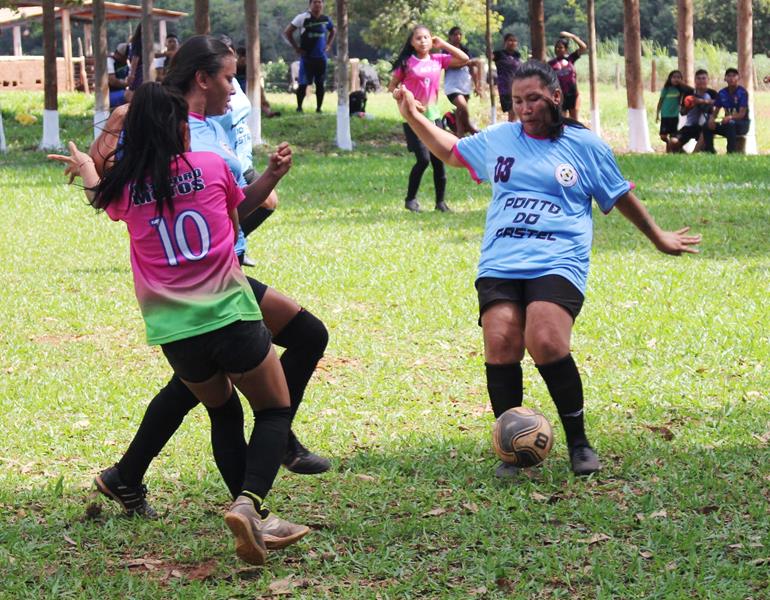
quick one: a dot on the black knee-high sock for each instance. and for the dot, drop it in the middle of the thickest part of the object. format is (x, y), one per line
(301, 89)
(255, 219)
(267, 446)
(320, 90)
(563, 381)
(228, 442)
(305, 338)
(505, 386)
(415, 176)
(162, 418)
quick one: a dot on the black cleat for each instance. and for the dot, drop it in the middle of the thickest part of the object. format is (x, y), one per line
(442, 207)
(131, 497)
(302, 461)
(506, 471)
(584, 460)
(412, 205)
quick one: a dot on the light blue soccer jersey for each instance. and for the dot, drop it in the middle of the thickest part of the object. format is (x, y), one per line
(206, 135)
(539, 221)
(235, 124)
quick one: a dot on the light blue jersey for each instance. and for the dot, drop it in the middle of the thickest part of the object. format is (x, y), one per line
(206, 135)
(235, 124)
(539, 221)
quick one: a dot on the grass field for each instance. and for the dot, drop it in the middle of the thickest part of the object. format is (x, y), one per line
(674, 354)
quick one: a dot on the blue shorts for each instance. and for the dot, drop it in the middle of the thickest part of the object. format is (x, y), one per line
(117, 97)
(312, 70)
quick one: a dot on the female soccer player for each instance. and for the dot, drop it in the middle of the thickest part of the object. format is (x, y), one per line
(534, 256)
(202, 70)
(419, 71)
(181, 210)
(564, 65)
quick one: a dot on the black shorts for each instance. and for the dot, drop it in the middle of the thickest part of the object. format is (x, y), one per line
(455, 94)
(549, 288)
(258, 288)
(669, 125)
(235, 348)
(506, 102)
(569, 101)
(688, 132)
(413, 143)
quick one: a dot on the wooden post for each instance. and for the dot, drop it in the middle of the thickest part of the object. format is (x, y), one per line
(88, 35)
(353, 79)
(344, 140)
(653, 75)
(639, 136)
(490, 81)
(17, 40)
(162, 33)
(148, 42)
(101, 90)
(51, 106)
(83, 74)
(537, 29)
(685, 40)
(617, 76)
(66, 39)
(253, 75)
(592, 68)
(202, 21)
(746, 66)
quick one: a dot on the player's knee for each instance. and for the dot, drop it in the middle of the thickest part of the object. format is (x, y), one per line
(545, 348)
(503, 347)
(272, 201)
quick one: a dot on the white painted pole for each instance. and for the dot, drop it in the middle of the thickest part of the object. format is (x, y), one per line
(3, 146)
(17, 40)
(344, 141)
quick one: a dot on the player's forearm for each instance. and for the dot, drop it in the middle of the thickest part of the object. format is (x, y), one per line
(257, 192)
(438, 141)
(635, 211)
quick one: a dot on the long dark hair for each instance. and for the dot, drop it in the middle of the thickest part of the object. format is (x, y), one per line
(547, 75)
(407, 50)
(153, 136)
(199, 53)
(670, 75)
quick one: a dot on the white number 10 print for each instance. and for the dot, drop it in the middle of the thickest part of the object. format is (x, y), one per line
(180, 237)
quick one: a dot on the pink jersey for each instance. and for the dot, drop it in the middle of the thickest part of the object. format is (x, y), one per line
(421, 77)
(186, 274)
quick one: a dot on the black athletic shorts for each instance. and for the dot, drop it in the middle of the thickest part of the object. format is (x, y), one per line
(455, 94)
(258, 288)
(413, 143)
(689, 132)
(569, 101)
(235, 348)
(549, 288)
(506, 102)
(669, 125)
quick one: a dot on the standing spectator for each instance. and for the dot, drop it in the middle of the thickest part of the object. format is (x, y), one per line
(564, 65)
(667, 111)
(697, 108)
(164, 60)
(136, 76)
(734, 100)
(117, 76)
(316, 34)
(419, 71)
(507, 62)
(458, 83)
(240, 77)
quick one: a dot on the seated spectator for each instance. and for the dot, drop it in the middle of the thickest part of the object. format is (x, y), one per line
(117, 76)
(667, 112)
(240, 76)
(734, 100)
(162, 62)
(697, 108)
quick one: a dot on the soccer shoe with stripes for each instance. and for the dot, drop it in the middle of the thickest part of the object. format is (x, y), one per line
(246, 524)
(279, 533)
(584, 460)
(133, 498)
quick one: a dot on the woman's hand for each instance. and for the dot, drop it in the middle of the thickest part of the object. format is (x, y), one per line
(438, 43)
(677, 242)
(280, 160)
(75, 163)
(407, 104)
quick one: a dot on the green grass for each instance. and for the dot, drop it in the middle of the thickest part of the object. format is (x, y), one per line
(673, 351)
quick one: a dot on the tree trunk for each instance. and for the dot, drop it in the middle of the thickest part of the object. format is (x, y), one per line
(51, 107)
(253, 75)
(537, 29)
(685, 40)
(490, 82)
(592, 68)
(746, 65)
(148, 42)
(639, 136)
(101, 90)
(202, 21)
(344, 141)
(66, 44)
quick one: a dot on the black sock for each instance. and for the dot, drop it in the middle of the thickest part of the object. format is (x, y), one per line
(505, 387)
(228, 442)
(563, 381)
(267, 447)
(319, 96)
(301, 95)
(305, 339)
(162, 418)
(439, 178)
(255, 219)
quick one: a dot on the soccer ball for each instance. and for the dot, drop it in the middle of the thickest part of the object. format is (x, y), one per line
(522, 437)
(689, 102)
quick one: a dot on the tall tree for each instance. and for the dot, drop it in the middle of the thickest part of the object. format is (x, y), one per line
(253, 72)
(685, 41)
(745, 24)
(202, 19)
(101, 89)
(593, 72)
(537, 29)
(50, 84)
(638, 135)
(344, 141)
(148, 41)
